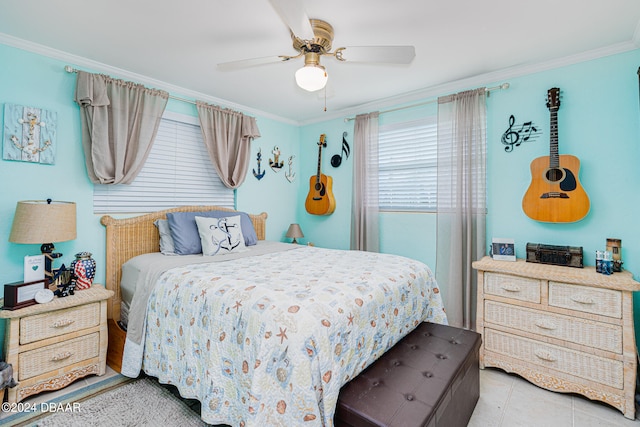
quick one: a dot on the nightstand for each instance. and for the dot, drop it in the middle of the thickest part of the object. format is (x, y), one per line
(51, 345)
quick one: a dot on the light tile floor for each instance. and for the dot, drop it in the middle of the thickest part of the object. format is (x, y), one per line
(509, 401)
(505, 401)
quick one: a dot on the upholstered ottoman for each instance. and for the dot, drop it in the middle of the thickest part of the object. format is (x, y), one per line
(429, 378)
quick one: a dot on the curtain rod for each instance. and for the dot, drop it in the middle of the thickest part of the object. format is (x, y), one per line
(431, 101)
(70, 69)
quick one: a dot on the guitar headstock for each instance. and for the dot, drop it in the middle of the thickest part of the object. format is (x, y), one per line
(322, 140)
(553, 98)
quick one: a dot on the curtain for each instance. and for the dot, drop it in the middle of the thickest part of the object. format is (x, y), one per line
(461, 210)
(364, 218)
(119, 122)
(227, 135)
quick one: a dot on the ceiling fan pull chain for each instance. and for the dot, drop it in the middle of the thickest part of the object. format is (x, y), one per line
(325, 99)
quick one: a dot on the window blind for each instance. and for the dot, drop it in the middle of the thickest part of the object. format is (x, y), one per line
(408, 166)
(178, 172)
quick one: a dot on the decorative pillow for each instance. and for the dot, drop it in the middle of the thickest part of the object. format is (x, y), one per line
(185, 231)
(220, 236)
(166, 241)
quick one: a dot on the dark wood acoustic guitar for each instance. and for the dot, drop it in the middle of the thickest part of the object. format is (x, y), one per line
(320, 200)
(555, 193)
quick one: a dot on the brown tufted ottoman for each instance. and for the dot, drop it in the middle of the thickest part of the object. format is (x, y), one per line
(429, 378)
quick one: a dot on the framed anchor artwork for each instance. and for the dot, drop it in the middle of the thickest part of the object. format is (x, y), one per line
(29, 134)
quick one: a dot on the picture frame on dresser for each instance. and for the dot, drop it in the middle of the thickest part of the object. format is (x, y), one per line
(503, 249)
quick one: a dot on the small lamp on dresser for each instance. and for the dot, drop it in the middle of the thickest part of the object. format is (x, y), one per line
(44, 222)
(294, 232)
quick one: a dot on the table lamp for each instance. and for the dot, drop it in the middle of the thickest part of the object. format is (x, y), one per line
(294, 232)
(44, 222)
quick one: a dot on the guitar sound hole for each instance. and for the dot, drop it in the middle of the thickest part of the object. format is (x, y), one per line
(318, 186)
(555, 174)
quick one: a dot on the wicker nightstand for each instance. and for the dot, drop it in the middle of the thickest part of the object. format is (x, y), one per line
(51, 345)
(562, 328)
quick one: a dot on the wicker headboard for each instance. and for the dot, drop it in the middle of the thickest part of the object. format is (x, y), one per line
(130, 237)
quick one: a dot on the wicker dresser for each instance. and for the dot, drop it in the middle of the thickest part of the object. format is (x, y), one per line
(51, 345)
(562, 328)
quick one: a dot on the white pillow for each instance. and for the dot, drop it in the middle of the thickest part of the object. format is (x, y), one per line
(220, 236)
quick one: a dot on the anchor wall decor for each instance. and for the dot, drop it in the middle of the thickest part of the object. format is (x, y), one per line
(259, 174)
(291, 176)
(29, 134)
(276, 164)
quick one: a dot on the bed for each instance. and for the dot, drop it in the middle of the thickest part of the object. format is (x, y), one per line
(267, 336)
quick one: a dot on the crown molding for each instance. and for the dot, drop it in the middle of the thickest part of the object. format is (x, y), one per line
(413, 96)
(487, 79)
(95, 66)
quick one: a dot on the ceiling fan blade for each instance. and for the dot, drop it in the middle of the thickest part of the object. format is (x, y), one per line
(246, 63)
(378, 54)
(295, 17)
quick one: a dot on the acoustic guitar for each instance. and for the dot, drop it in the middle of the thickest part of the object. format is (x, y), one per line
(320, 200)
(555, 193)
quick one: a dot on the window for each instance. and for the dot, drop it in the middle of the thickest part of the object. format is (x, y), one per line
(178, 172)
(407, 166)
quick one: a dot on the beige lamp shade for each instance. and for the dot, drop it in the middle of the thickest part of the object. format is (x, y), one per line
(43, 221)
(294, 232)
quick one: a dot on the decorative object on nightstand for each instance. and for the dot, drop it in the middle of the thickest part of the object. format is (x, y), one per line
(22, 294)
(44, 222)
(51, 345)
(294, 232)
(564, 329)
(84, 270)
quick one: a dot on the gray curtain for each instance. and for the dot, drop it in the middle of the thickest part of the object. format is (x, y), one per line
(461, 211)
(227, 135)
(365, 234)
(119, 123)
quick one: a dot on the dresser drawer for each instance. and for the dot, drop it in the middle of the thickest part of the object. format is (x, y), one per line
(520, 288)
(57, 356)
(60, 322)
(605, 302)
(574, 363)
(572, 329)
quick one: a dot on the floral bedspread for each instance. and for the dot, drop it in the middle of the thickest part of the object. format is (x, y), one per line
(269, 340)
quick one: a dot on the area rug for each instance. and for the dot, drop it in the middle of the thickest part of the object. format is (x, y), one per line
(70, 394)
(143, 402)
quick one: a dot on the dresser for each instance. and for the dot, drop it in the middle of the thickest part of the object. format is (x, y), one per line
(51, 345)
(564, 329)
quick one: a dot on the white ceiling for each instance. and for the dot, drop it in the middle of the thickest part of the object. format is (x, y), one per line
(177, 44)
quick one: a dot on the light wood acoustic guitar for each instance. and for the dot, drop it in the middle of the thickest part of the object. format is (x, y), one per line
(555, 193)
(320, 200)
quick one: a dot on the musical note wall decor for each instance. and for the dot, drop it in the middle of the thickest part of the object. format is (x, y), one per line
(336, 160)
(515, 136)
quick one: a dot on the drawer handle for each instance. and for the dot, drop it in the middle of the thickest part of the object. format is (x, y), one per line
(61, 356)
(545, 355)
(545, 324)
(510, 288)
(62, 323)
(583, 299)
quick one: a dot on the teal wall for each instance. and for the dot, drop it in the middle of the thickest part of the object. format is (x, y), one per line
(598, 123)
(35, 80)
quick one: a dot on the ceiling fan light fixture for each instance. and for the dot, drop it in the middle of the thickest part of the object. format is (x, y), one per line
(312, 77)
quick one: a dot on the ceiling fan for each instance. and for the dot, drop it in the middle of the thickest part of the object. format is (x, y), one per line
(313, 38)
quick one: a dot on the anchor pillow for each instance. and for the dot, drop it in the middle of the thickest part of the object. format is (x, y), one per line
(220, 236)
(185, 232)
